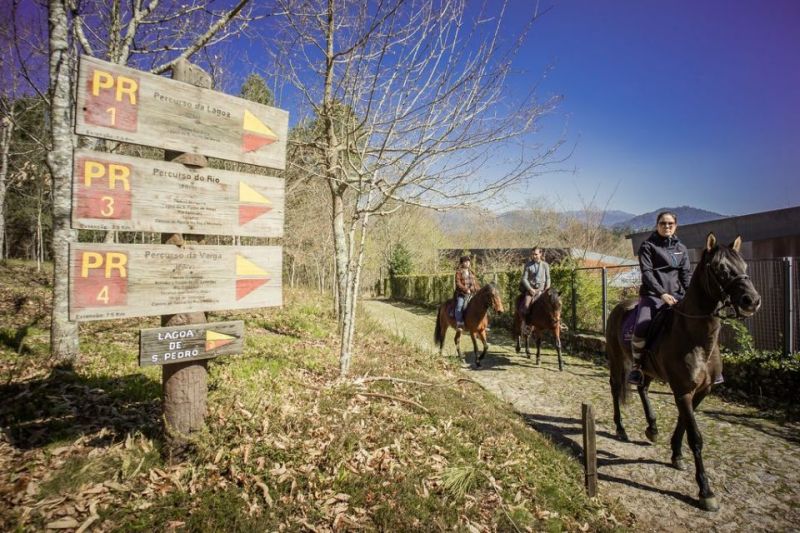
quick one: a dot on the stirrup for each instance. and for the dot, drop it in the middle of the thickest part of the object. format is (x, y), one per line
(635, 377)
(719, 380)
(459, 326)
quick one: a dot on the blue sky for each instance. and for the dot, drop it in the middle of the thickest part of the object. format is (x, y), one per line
(672, 103)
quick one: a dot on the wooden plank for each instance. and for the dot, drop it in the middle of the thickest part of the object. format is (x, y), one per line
(109, 281)
(589, 449)
(192, 342)
(128, 105)
(116, 192)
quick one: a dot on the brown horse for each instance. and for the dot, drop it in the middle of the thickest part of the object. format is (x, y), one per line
(543, 315)
(686, 351)
(476, 319)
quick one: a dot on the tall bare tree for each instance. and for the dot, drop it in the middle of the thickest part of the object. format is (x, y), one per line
(424, 84)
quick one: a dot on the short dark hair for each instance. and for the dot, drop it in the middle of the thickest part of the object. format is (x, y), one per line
(665, 213)
(463, 258)
(535, 248)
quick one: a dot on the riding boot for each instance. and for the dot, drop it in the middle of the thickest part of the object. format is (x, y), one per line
(635, 376)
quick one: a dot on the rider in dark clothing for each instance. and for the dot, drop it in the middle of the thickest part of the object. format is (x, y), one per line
(664, 263)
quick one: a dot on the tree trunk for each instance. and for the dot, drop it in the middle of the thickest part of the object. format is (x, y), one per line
(185, 385)
(6, 128)
(63, 332)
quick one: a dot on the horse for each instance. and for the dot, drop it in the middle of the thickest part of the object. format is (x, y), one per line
(543, 315)
(685, 351)
(475, 319)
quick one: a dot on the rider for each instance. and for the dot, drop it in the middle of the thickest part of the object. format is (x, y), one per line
(466, 285)
(664, 264)
(535, 278)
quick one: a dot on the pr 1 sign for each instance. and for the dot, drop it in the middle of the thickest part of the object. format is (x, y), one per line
(128, 105)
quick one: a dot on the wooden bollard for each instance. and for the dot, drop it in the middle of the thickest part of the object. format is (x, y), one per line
(589, 449)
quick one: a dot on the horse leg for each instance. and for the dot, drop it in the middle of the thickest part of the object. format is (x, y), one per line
(484, 340)
(676, 442)
(708, 501)
(475, 349)
(557, 335)
(615, 390)
(527, 344)
(652, 430)
(517, 331)
(457, 340)
(538, 348)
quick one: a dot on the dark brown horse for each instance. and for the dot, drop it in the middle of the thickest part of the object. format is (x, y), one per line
(543, 315)
(686, 352)
(476, 319)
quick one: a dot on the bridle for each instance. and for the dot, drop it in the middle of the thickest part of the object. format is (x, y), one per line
(724, 304)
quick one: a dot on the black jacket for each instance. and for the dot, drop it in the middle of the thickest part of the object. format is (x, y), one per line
(664, 262)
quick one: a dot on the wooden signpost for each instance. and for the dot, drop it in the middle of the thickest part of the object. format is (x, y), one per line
(127, 105)
(115, 192)
(111, 281)
(193, 342)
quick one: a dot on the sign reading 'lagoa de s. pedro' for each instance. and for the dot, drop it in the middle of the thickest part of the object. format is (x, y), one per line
(128, 105)
(115, 192)
(109, 281)
(192, 342)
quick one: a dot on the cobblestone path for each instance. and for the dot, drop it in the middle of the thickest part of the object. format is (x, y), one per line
(753, 461)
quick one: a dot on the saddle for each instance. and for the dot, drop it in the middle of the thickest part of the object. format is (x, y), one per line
(451, 305)
(654, 332)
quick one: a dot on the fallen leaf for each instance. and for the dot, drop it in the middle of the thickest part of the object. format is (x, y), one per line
(67, 522)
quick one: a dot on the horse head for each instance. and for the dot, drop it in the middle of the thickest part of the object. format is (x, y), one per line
(726, 276)
(494, 298)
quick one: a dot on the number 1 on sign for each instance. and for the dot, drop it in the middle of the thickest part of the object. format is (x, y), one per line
(113, 112)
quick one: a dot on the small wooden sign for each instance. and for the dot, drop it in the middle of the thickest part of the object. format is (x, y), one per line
(109, 281)
(192, 342)
(128, 105)
(115, 192)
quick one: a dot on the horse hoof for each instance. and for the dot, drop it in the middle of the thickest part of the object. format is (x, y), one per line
(678, 463)
(623, 435)
(709, 504)
(518, 349)
(651, 434)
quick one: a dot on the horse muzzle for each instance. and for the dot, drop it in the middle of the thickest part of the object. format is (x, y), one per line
(747, 304)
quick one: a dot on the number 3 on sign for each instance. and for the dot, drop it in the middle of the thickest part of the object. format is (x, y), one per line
(108, 206)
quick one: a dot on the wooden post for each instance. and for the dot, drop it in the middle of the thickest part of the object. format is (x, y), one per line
(185, 385)
(589, 449)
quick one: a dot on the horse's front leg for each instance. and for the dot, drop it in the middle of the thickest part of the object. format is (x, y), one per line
(457, 341)
(538, 347)
(676, 442)
(652, 430)
(485, 341)
(475, 349)
(685, 404)
(557, 335)
(527, 334)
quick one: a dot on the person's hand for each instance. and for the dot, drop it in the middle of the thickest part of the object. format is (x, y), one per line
(668, 299)
(531, 292)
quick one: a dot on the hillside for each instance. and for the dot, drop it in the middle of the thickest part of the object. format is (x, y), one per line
(686, 215)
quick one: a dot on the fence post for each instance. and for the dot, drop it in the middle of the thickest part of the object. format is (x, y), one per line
(604, 278)
(788, 307)
(589, 449)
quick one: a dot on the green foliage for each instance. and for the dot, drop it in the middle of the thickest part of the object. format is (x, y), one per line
(400, 262)
(255, 89)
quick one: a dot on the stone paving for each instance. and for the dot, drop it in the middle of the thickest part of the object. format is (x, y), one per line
(752, 460)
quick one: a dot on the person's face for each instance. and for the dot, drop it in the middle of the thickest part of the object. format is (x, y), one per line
(666, 226)
(465, 264)
(536, 255)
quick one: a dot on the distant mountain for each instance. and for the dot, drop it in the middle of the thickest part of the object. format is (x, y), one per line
(609, 219)
(686, 215)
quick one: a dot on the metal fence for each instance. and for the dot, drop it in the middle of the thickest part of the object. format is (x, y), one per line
(774, 328)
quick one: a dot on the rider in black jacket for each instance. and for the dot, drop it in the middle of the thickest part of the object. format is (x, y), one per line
(664, 263)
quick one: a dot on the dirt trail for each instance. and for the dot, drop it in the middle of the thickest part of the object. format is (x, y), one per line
(752, 461)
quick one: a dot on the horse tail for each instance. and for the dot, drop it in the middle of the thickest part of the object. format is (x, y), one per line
(438, 336)
(618, 361)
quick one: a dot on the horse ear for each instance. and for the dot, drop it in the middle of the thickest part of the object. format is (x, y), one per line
(711, 241)
(735, 245)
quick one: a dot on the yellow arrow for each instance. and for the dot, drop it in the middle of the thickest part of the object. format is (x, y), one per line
(249, 195)
(253, 124)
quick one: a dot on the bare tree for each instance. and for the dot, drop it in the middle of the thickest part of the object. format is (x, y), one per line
(412, 96)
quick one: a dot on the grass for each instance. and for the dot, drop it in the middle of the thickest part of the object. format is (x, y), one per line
(288, 445)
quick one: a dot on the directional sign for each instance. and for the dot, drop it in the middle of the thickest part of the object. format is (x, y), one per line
(162, 346)
(123, 104)
(110, 281)
(115, 192)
